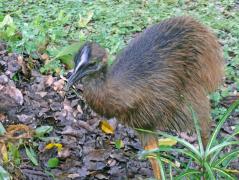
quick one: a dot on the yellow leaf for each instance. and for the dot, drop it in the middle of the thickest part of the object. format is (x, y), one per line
(52, 145)
(167, 142)
(235, 171)
(106, 127)
(3, 151)
(49, 146)
(85, 20)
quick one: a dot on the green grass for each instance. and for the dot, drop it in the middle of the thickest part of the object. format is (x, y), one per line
(209, 163)
(46, 26)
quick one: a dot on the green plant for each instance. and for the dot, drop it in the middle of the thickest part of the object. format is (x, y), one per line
(31, 155)
(4, 175)
(14, 154)
(210, 163)
(53, 162)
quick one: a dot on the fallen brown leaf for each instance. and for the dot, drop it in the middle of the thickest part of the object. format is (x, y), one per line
(22, 63)
(58, 85)
(3, 151)
(45, 56)
(64, 153)
(18, 131)
(2, 117)
(49, 80)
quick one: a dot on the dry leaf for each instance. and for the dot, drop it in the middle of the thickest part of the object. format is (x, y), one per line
(58, 85)
(67, 106)
(3, 151)
(18, 131)
(85, 20)
(22, 63)
(58, 71)
(44, 56)
(167, 142)
(73, 176)
(49, 80)
(79, 109)
(84, 125)
(65, 153)
(106, 127)
(234, 171)
(41, 93)
(2, 117)
(10, 96)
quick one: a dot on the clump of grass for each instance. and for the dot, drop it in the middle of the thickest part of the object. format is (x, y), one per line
(209, 163)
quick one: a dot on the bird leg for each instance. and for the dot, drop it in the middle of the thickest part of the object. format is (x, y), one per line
(205, 131)
(205, 138)
(153, 144)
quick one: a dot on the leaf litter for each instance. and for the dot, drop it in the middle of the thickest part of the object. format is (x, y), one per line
(70, 140)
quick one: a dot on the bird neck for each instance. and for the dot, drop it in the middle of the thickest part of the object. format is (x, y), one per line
(96, 91)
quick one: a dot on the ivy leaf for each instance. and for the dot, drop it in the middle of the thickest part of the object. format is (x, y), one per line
(42, 130)
(53, 162)
(119, 144)
(71, 49)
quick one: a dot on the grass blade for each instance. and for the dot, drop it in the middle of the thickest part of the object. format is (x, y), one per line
(2, 130)
(220, 146)
(219, 150)
(4, 175)
(198, 130)
(167, 161)
(170, 172)
(179, 140)
(166, 149)
(226, 156)
(221, 122)
(209, 171)
(189, 172)
(224, 173)
(31, 155)
(161, 166)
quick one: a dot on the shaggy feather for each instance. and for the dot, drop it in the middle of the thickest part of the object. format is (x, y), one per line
(154, 79)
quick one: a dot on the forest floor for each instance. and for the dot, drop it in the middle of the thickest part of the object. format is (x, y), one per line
(87, 151)
(53, 134)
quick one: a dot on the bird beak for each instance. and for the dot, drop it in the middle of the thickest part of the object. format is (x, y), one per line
(75, 76)
(79, 69)
(71, 80)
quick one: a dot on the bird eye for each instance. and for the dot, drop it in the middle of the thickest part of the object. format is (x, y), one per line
(91, 64)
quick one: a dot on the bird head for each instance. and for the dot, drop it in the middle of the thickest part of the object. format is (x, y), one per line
(89, 60)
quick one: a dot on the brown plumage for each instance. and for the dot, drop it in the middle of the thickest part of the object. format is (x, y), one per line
(152, 82)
